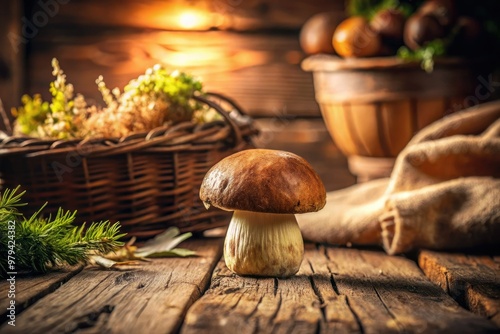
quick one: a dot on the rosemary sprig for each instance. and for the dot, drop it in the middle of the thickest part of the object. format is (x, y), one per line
(45, 243)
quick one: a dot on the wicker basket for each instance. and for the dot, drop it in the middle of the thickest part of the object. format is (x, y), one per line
(148, 182)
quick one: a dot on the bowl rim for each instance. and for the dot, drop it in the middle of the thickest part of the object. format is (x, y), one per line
(330, 63)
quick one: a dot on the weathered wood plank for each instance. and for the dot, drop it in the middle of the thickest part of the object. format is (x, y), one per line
(260, 71)
(394, 289)
(152, 298)
(472, 280)
(29, 289)
(345, 290)
(221, 14)
(254, 305)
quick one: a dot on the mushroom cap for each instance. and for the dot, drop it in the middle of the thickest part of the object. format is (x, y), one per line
(262, 180)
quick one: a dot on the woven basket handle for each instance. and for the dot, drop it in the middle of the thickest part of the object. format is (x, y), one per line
(5, 119)
(238, 137)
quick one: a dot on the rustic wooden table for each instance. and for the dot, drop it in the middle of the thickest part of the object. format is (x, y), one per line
(337, 289)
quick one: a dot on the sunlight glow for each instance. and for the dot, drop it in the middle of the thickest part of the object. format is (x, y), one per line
(191, 20)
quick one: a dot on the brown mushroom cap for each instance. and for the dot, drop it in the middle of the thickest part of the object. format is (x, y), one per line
(262, 180)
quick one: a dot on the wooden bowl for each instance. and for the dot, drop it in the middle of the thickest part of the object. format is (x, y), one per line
(372, 107)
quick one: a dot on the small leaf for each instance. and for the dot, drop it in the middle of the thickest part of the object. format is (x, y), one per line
(163, 242)
(181, 252)
(107, 263)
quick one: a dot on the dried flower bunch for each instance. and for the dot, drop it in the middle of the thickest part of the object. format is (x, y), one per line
(154, 99)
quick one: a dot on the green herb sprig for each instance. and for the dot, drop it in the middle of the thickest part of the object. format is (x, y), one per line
(39, 244)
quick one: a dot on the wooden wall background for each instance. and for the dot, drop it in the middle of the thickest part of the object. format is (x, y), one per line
(248, 49)
(11, 54)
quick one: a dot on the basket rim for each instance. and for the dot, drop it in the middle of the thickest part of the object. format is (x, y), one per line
(235, 128)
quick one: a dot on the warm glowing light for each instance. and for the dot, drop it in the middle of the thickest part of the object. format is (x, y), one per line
(191, 20)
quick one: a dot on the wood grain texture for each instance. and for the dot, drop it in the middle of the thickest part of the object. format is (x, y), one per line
(252, 305)
(29, 289)
(12, 46)
(368, 80)
(260, 71)
(152, 298)
(428, 111)
(309, 139)
(336, 289)
(222, 14)
(365, 124)
(259, 66)
(337, 122)
(395, 125)
(472, 280)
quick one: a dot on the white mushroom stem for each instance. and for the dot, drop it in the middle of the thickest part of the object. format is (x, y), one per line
(263, 244)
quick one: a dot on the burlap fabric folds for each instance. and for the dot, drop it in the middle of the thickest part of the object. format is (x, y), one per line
(444, 192)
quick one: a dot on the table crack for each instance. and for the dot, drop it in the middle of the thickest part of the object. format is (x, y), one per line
(237, 302)
(356, 316)
(325, 252)
(447, 282)
(169, 279)
(251, 314)
(90, 319)
(391, 314)
(143, 307)
(275, 313)
(322, 305)
(332, 281)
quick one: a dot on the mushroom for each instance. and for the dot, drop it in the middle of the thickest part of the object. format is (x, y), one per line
(265, 189)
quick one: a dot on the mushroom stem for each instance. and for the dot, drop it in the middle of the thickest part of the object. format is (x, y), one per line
(263, 244)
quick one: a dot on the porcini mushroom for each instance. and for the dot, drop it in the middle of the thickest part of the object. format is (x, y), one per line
(265, 189)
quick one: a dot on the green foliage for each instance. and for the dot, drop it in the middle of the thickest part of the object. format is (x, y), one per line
(173, 88)
(177, 86)
(368, 8)
(31, 114)
(424, 55)
(39, 244)
(57, 119)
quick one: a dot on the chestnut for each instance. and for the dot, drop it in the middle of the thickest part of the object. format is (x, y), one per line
(444, 11)
(317, 32)
(389, 24)
(420, 29)
(355, 38)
